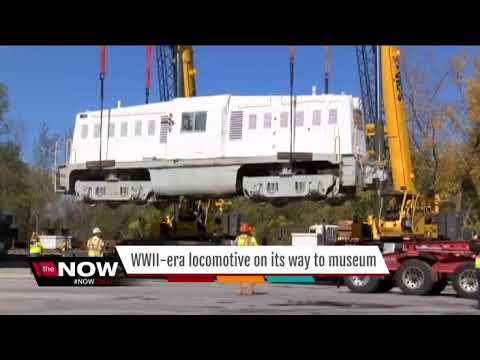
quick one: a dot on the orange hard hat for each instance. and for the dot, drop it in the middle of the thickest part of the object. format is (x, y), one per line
(245, 228)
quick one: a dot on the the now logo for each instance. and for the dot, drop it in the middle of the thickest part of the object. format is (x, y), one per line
(87, 269)
(55, 271)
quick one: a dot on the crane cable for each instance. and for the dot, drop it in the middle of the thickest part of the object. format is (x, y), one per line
(103, 73)
(292, 76)
(148, 72)
(328, 64)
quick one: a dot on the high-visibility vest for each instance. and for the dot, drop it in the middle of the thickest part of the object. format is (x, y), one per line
(477, 262)
(246, 240)
(36, 247)
(95, 246)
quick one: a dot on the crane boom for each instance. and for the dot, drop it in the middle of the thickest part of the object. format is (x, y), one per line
(176, 71)
(403, 177)
(366, 61)
(188, 71)
(403, 212)
(166, 72)
(372, 106)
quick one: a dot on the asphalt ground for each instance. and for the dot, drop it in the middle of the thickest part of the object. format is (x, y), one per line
(19, 294)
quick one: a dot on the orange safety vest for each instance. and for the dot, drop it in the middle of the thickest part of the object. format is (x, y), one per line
(36, 247)
(477, 262)
(95, 246)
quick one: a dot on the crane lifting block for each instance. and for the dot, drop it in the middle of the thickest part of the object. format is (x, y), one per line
(371, 129)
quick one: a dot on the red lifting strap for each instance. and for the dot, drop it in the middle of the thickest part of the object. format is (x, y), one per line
(292, 51)
(148, 67)
(103, 61)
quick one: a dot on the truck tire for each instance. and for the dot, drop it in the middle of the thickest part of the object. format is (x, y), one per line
(464, 281)
(415, 277)
(362, 284)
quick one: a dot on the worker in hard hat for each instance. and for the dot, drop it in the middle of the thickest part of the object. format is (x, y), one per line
(475, 247)
(35, 246)
(166, 225)
(64, 245)
(95, 244)
(246, 238)
(217, 217)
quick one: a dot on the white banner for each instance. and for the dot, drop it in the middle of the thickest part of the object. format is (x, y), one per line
(252, 260)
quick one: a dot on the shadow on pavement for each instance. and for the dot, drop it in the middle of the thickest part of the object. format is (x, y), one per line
(339, 304)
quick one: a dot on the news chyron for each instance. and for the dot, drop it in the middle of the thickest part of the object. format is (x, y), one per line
(79, 271)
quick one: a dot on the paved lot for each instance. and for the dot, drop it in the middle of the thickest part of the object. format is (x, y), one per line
(19, 294)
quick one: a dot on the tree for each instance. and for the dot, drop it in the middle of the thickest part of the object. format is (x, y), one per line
(44, 149)
(470, 166)
(4, 105)
(14, 172)
(430, 121)
(44, 203)
(446, 131)
(14, 192)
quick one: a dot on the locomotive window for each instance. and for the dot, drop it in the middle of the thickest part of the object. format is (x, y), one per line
(299, 118)
(84, 131)
(316, 118)
(123, 191)
(111, 130)
(96, 131)
(100, 191)
(332, 116)
(267, 120)
(187, 121)
(123, 129)
(138, 128)
(194, 121)
(284, 119)
(151, 127)
(201, 121)
(252, 121)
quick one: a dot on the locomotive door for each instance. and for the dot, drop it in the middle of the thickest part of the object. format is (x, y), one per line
(281, 131)
(302, 128)
(101, 136)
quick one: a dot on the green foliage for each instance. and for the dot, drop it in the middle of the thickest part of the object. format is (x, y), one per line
(14, 192)
(274, 224)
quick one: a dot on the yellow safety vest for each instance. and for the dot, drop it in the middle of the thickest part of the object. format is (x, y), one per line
(95, 247)
(247, 240)
(477, 262)
(36, 247)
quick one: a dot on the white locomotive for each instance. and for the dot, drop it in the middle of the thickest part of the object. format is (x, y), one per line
(218, 146)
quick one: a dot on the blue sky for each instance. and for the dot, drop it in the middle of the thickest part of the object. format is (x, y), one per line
(52, 83)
